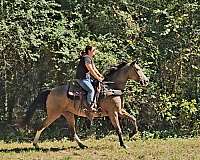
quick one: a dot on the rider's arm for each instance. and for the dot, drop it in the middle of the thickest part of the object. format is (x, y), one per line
(95, 69)
(92, 71)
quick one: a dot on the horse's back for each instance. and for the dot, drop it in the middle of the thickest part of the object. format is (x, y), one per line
(57, 100)
(60, 90)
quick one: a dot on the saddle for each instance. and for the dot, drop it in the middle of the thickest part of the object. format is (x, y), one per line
(75, 91)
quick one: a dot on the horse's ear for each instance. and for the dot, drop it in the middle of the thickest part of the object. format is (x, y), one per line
(134, 62)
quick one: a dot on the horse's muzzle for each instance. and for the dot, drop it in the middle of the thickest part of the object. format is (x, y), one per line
(144, 82)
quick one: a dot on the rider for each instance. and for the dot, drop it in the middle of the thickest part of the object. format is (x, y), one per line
(85, 70)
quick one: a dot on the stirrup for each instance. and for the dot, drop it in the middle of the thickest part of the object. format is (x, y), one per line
(91, 109)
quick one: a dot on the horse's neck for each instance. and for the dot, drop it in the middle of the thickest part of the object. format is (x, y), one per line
(120, 78)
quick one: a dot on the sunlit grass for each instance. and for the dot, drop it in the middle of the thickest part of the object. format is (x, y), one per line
(104, 149)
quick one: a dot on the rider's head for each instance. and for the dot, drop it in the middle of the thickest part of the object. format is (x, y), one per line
(89, 50)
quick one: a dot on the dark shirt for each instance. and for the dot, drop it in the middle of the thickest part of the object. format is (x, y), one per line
(82, 70)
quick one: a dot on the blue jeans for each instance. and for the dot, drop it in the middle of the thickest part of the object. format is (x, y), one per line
(86, 84)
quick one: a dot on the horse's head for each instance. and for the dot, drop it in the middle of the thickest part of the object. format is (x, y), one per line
(136, 73)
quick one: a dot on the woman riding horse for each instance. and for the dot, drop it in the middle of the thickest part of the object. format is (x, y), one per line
(58, 103)
(85, 69)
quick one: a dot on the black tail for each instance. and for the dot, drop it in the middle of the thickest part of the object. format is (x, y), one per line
(39, 101)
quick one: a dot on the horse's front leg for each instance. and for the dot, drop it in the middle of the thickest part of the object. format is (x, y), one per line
(132, 119)
(71, 124)
(115, 122)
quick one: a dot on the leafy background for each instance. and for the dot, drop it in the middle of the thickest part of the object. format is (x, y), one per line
(40, 41)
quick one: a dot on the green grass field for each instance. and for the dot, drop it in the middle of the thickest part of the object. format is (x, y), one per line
(104, 149)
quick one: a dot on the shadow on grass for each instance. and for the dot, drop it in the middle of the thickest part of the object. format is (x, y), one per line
(29, 149)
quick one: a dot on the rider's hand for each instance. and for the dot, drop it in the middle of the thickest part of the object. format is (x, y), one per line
(102, 76)
(98, 89)
(100, 79)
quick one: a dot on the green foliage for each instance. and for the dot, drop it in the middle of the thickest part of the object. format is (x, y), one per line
(40, 42)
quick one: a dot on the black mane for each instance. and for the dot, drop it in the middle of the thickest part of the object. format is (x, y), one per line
(113, 69)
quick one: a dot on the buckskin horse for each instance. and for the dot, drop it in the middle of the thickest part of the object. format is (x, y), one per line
(59, 103)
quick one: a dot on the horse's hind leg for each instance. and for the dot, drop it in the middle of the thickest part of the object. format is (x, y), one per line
(132, 119)
(115, 122)
(71, 124)
(50, 119)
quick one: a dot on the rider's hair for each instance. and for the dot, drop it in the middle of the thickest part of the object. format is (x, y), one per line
(87, 48)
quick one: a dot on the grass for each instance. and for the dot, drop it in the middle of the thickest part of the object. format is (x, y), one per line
(104, 149)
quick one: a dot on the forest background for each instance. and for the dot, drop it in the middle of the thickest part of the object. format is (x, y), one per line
(40, 41)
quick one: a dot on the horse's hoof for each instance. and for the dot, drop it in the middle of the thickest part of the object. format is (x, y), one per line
(82, 146)
(124, 146)
(132, 134)
(36, 145)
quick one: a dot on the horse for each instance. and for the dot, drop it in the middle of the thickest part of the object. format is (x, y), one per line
(59, 104)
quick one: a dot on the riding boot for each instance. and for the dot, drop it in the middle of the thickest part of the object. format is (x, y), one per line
(93, 107)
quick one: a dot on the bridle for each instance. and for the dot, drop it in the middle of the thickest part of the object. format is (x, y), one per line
(136, 71)
(141, 80)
